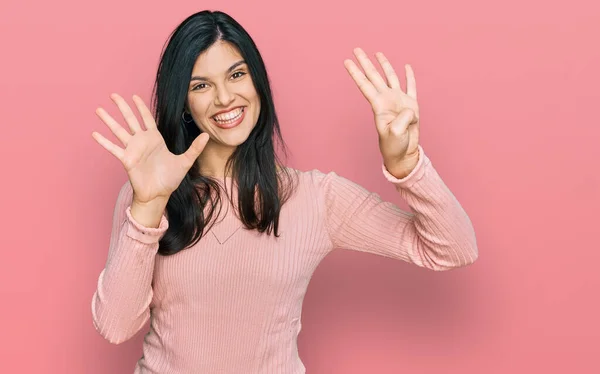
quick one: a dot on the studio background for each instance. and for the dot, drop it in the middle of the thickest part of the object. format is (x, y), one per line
(509, 117)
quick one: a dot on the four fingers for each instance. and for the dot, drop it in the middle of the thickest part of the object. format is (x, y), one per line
(123, 135)
(371, 81)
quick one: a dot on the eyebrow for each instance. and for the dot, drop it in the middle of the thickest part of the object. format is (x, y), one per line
(231, 68)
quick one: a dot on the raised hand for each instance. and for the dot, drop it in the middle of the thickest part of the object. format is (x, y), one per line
(396, 112)
(154, 172)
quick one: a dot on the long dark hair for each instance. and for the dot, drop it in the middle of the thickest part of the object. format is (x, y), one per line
(263, 184)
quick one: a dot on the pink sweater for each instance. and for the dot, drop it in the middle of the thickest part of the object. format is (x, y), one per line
(232, 303)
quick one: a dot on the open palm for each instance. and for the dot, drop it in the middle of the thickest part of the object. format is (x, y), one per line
(153, 170)
(396, 112)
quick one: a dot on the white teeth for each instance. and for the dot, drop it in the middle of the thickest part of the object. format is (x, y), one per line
(229, 116)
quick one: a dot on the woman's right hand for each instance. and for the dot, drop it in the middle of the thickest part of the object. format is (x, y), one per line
(154, 172)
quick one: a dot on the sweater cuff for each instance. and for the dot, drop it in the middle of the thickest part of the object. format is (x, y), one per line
(415, 175)
(146, 235)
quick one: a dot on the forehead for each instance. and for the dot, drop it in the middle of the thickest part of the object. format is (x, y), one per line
(216, 59)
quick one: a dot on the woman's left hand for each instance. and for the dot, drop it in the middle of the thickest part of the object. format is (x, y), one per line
(396, 113)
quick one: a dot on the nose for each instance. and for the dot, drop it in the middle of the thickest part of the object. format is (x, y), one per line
(223, 97)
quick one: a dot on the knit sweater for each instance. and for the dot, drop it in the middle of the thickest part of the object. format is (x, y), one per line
(232, 303)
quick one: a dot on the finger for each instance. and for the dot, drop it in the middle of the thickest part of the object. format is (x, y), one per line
(411, 83)
(109, 146)
(192, 153)
(364, 85)
(147, 116)
(400, 124)
(114, 126)
(127, 113)
(370, 69)
(389, 71)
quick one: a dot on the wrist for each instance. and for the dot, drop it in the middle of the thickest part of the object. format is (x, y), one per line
(402, 168)
(148, 214)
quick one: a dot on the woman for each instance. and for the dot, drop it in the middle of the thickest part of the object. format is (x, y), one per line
(214, 240)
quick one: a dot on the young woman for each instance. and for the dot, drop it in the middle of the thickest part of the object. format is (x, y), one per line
(214, 240)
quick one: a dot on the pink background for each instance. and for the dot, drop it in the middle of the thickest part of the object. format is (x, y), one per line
(509, 104)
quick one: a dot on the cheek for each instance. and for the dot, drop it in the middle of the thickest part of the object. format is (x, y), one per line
(255, 102)
(198, 107)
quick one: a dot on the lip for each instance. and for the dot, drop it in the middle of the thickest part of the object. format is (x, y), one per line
(230, 125)
(227, 110)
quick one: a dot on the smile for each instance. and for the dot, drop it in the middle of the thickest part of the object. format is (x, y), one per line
(230, 119)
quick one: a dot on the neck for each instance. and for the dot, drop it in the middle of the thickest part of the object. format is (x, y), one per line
(213, 160)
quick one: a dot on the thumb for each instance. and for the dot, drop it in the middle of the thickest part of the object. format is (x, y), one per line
(400, 124)
(192, 153)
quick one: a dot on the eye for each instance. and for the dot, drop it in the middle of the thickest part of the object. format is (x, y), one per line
(238, 74)
(199, 86)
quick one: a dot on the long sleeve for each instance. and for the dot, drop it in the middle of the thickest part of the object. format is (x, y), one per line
(436, 234)
(120, 305)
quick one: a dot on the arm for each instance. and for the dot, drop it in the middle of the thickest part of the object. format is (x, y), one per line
(120, 305)
(437, 234)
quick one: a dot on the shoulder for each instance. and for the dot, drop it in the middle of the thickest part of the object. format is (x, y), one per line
(312, 178)
(325, 183)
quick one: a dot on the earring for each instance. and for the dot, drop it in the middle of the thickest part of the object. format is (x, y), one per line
(187, 121)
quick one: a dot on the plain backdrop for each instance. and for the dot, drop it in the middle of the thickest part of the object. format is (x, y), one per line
(509, 117)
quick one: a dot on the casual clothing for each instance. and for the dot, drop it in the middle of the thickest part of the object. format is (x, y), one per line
(232, 303)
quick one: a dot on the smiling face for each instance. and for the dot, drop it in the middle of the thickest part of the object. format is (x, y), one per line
(221, 96)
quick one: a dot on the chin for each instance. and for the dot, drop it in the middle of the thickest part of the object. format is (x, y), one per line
(234, 141)
(229, 138)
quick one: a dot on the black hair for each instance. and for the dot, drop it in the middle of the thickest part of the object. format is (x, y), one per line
(263, 184)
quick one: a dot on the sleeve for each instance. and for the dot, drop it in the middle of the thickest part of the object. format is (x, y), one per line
(120, 304)
(436, 234)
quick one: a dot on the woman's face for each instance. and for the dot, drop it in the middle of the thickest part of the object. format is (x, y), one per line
(221, 95)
